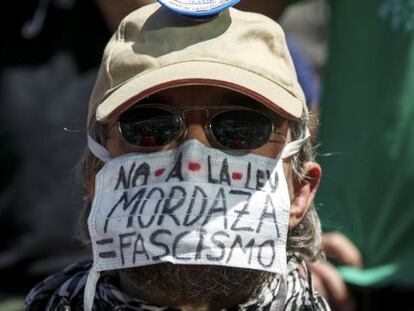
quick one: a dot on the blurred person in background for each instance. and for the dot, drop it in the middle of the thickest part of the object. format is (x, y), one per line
(367, 134)
(47, 69)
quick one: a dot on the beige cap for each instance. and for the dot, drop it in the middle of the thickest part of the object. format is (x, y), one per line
(154, 49)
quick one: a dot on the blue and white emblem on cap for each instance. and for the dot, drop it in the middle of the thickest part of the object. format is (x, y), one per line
(198, 8)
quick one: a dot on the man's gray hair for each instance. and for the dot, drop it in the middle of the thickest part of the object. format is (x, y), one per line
(304, 241)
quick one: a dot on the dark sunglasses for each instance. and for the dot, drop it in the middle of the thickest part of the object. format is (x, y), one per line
(231, 127)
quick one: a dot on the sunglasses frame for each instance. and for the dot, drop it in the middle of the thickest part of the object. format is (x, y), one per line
(182, 110)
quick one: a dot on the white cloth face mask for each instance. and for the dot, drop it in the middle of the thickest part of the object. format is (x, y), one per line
(191, 205)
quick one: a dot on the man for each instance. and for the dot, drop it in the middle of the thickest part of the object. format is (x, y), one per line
(326, 278)
(200, 174)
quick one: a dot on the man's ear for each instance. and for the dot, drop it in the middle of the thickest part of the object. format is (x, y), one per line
(90, 186)
(304, 192)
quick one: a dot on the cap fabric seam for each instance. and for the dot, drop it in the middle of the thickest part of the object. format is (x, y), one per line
(121, 34)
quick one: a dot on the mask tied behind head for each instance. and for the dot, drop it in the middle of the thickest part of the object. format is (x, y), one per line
(191, 205)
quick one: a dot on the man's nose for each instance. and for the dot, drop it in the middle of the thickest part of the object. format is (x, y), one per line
(195, 122)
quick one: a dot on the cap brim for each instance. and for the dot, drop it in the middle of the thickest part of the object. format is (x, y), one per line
(217, 74)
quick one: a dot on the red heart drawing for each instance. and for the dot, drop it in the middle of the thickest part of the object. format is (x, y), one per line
(237, 176)
(159, 172)
(194, 166)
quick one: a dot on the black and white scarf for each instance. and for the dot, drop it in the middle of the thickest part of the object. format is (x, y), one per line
(64, 292)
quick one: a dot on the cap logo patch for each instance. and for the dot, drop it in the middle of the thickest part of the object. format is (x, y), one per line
(198, 8)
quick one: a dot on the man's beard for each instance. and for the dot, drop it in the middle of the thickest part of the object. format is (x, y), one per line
(172, 285)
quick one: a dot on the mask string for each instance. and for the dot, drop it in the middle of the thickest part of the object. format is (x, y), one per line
(98, 150)
(294, 146)
(90, 289)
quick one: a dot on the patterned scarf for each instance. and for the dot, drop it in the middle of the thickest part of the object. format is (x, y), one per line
(64, 291)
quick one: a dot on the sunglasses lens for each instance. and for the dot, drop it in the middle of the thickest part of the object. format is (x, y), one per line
(150, 127)
(243, 130)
